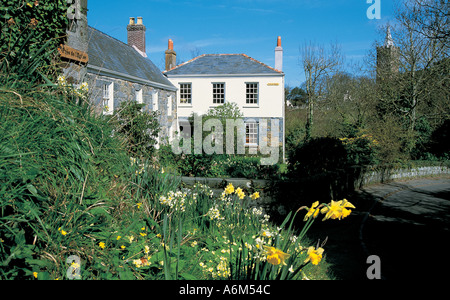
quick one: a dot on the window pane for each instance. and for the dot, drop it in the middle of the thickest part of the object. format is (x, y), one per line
(251, 135)
(186, 93)
(218, 93)
(252, 93)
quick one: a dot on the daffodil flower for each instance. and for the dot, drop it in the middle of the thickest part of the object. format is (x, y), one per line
(315, 256)
(312, 211)
(275, 256)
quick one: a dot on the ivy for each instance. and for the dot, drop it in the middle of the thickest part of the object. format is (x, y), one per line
(34, 23)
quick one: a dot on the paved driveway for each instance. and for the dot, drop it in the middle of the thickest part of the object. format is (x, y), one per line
(408, 227)
(406, 224)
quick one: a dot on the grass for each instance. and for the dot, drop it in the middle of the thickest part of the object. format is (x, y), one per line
(73, 205)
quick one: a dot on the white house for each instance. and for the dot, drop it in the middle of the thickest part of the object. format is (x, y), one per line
(211, 80)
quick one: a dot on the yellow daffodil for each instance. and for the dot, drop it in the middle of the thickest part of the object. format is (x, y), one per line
(275, 256)
(255, 196)
(102, 245)
(315, 256)
(229, 189)
(240, 193)
(119, 237)
(312, 211)
(337, 209)
(35, 274)
(331, 211)
(63, 232)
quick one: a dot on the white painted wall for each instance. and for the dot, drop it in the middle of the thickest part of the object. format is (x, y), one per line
(270, 102)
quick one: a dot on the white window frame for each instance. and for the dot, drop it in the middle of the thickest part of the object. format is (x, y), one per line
(251, 133)
(108, 98)
(139, 96)
(155, 100)
(252, 93)
(169, 105)
(185, 93)
(218, 93)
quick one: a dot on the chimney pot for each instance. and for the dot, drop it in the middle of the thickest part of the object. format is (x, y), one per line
(279, 42)
(136, 34)
(171, 56)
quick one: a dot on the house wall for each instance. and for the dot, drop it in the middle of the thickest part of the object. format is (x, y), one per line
(270, 102)
(156, 99)
(268, 113)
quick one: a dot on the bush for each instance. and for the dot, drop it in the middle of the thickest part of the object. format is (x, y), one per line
(318, 156)
(140, 129)
(30, 34)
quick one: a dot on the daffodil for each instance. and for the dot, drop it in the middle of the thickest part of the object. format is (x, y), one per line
(337, 209)
(255, 196)
(102, 245)
(315, 256)
(312, 211)
(275, 256)
(229, 189)
(240, 193)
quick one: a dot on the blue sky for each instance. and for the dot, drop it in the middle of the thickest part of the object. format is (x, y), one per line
(245, 26)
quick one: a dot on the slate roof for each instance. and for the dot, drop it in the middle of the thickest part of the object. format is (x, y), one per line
(223, 64)
(108, 53)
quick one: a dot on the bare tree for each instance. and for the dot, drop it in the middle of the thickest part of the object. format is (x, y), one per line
(317, 63)
(419, 55)
(432, 19)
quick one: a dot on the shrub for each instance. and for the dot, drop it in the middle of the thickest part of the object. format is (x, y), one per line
(140, 129)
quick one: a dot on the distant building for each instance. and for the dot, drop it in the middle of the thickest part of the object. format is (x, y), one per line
(388, 59)
(210, 80)
(118, 72)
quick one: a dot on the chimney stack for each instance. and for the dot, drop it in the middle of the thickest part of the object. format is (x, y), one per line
(136, 34)
(171, 57)
(279, 55)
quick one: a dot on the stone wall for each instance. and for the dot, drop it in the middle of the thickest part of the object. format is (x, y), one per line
(321, 185)
(126, 90)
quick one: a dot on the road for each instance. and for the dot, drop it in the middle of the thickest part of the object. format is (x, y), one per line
(406, 224)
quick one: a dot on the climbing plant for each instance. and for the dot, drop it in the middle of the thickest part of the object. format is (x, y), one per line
(26, 26)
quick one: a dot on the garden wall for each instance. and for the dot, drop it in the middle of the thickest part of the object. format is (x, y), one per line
(332, 185)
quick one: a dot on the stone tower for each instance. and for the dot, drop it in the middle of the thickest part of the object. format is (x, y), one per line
(388, 58)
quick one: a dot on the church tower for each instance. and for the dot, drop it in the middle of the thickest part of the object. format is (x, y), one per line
(388, 58)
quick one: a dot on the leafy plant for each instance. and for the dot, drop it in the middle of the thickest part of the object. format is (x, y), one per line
(139, 128)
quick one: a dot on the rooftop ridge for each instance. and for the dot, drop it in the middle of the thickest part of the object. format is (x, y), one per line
(225, 54)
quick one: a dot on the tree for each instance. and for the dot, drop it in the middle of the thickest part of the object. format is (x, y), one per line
(431, 18)
(296, 96)
(317, 64)
(418, 81)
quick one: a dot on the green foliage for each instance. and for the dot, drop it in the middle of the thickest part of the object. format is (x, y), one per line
(139, 128)
(56, 159)
(31, 31)
(317, 156)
